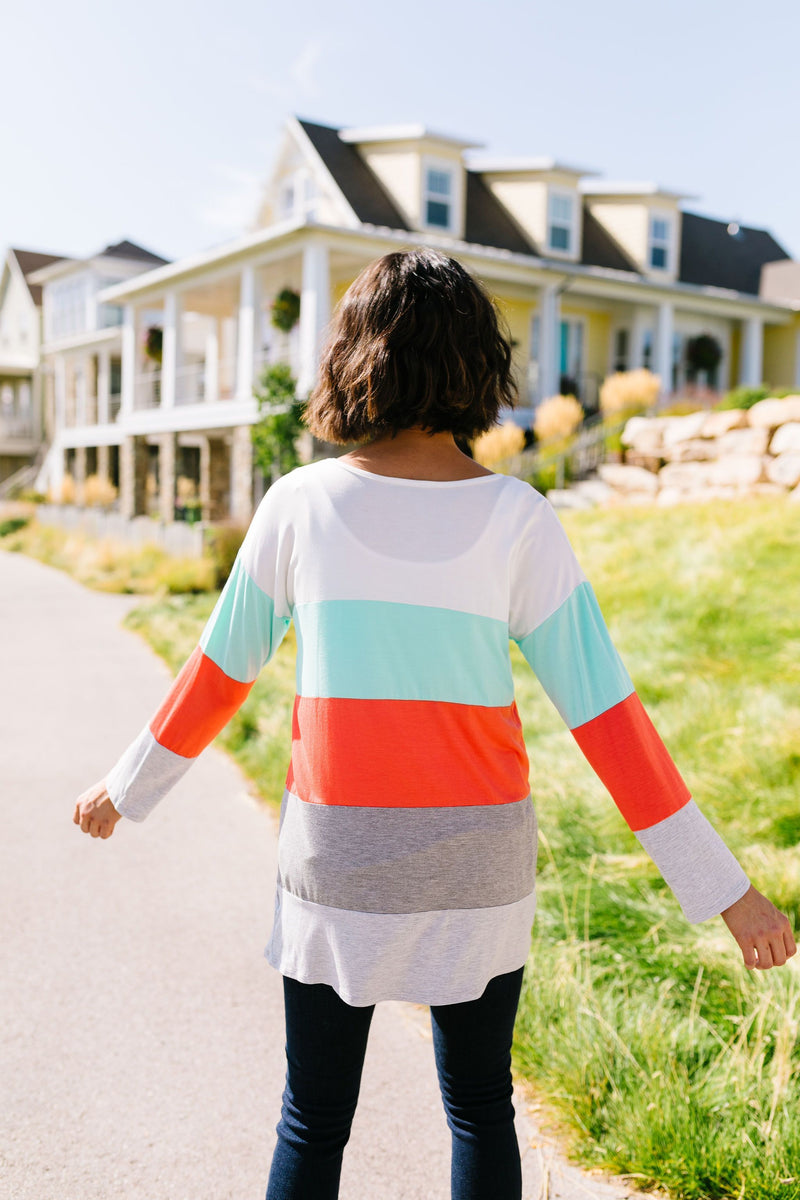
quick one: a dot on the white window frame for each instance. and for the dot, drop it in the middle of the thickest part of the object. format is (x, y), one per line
(559, 193)
(666, 243)
(447, 167)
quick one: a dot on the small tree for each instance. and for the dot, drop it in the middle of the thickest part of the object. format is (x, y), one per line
(280, 424)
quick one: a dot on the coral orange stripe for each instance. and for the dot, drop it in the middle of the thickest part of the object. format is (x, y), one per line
(406, 753)
(625, 750)
(200, 702)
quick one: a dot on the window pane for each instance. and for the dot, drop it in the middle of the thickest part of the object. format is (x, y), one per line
(660, 230)
(561, 208)
(439, 182)
(658, 256)
(564, 348)
(559, 237)
(437, 214)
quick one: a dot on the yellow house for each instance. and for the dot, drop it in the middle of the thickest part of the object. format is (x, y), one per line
(592, 276)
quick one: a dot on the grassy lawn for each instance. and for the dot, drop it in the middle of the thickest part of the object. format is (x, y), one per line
(656, 1052)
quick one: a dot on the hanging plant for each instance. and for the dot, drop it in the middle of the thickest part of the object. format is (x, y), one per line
(154, 343)
(703, 353)
(286, 310)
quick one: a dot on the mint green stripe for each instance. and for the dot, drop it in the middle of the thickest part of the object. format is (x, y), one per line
(576, 661)
(377, 650)
(243, 631)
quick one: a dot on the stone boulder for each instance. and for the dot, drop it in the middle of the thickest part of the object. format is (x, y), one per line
(785, 469)
(684, 477)
(681, 429)
(786, 437)
(772, 413)
(745, 441)
(717, 423)
(693, 450)
(739, 471)
(627, 479)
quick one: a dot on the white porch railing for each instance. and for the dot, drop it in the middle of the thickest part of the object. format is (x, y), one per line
(147, 390)
(17, 425)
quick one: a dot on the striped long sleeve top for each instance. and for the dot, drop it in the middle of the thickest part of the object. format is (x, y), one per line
(407, 844)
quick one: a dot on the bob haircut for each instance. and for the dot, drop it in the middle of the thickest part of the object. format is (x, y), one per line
(415, 342)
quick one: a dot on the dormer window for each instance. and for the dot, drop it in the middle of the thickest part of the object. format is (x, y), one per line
(561, 222)
(437, 200)
(658, 254)
(297, 196)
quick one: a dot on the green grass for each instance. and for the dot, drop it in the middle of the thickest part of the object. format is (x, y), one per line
(658, 1055)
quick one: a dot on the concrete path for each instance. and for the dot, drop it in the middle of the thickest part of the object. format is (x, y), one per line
(141, 1030)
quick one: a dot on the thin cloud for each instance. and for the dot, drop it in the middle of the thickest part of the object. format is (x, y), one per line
(297, 81)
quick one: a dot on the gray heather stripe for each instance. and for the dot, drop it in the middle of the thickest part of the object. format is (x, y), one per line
(427, 958)
(695, 862)
(143, 776)
(407, 860)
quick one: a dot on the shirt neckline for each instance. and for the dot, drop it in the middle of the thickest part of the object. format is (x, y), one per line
(406, 482)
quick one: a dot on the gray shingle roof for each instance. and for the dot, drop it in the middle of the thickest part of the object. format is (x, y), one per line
(31, 260)
(488, 223)
(600, 249)
(360, 186)
(131, 250)
(710, 255)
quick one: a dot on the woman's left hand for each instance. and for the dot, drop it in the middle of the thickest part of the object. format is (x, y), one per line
(95, 813)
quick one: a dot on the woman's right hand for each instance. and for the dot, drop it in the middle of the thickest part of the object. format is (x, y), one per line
(763, 933)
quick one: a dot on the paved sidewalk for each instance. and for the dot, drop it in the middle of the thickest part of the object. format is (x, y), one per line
(141, 1040)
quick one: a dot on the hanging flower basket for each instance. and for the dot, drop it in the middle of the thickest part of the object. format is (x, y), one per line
(286, 310)
(154, 343)
(703, 353)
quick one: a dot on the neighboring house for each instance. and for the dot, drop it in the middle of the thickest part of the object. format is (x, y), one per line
(21, 429)
(591, 276)
(81, 362)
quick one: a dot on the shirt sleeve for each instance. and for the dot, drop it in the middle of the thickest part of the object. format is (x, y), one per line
(243, 632)
(556, 621)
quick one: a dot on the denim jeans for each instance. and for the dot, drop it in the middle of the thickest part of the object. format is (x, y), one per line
(326, 1041)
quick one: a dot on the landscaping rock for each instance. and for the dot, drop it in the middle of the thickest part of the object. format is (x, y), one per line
(744, 441)
(786, 437)
(569, 498)
(794, 495)
(785, 469)
(768, 489)
(642, 427)
(684, 477)
(628, 479)
(717, 423)
(595, 490)
(772, 413)
(695, 450)
(681, 429)
(737, 470)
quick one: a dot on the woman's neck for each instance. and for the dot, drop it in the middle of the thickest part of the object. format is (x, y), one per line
(416, 454)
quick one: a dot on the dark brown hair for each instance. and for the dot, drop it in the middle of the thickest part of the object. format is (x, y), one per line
(415, 341)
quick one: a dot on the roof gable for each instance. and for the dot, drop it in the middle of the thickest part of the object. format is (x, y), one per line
(360, 187)
(600, 249)
(29, 261)
(488, 223)
(131, 250)
(712, 256)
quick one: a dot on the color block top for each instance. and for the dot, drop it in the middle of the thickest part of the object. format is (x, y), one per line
(407, 847)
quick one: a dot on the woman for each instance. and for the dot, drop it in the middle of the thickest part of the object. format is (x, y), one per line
(407, 846)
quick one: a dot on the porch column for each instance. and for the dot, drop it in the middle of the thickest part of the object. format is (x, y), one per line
(205, 479)
(133, 477)
(315, 312)
(60, 391)
(128, 371)
(166, 477)
(549, 337)
(750, 361)
(241, 474)
(79, 476)
(245, 347)
(211, 366)
(663, 348)
(169, 350)
(103, 463)
(103, 387)
(639, 327)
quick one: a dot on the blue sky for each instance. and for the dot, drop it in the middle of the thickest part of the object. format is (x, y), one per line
(159, 122)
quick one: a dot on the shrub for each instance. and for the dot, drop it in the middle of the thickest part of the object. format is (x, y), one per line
(12, 524)
(67, 493)
(629, 392)
(744, 397)
(275, 433)
(222, 546)
(99, 492)
(558, 416)
(181, 575)
(498, 443)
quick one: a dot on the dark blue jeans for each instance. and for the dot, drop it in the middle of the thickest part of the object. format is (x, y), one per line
(326, 1040)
